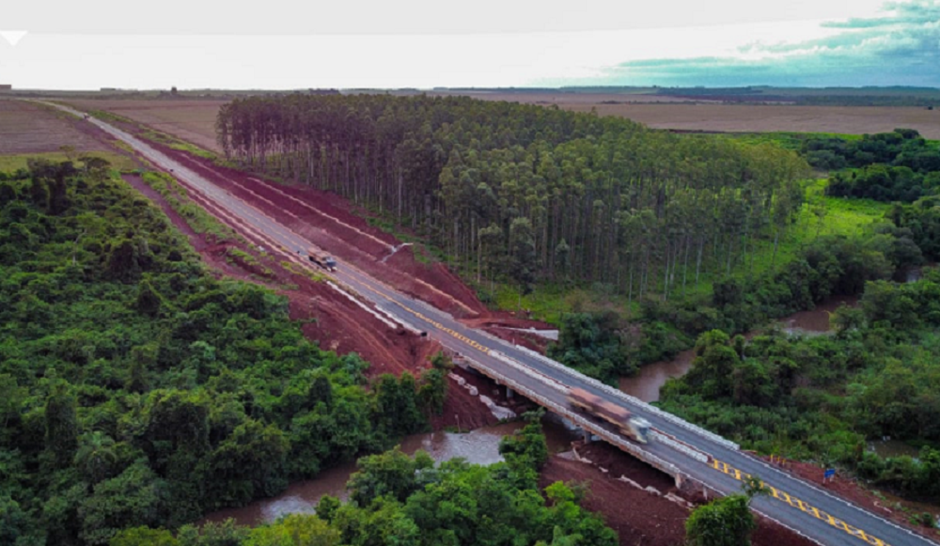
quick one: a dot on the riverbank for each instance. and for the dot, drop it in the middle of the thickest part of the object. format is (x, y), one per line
(479, 446)
(646, 384)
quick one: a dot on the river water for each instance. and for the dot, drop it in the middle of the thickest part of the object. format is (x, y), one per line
(480, 446)
(646, 383)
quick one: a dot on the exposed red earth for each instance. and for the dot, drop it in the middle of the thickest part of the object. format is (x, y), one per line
(339, 324)
(640, 516)
(314, 215)
(505, 325)
(340, 228)
(455, 414)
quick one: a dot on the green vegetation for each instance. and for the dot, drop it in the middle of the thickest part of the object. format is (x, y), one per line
(195, 216)
(725, 521)
(820, 216)
(135, 389)
(884, 183)
(896, 166)
(16, 162)
(526, 194)
(304, 271)
(177, 144)
(241, 258)
(601, 346)
(820, 398)
(607, 348)
(396, 499)
(104, 115)
(787, 140)
(922, 219)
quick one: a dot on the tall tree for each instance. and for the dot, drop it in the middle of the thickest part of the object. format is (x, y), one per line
(61, 425)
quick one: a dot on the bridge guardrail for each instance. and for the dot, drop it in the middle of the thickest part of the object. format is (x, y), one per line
(680, 447)
(631, 399)
(615, 439)
(658, 436)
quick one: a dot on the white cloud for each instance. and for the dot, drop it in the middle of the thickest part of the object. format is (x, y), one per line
(423, 45)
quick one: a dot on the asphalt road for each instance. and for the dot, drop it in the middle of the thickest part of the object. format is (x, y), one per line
(801, 506)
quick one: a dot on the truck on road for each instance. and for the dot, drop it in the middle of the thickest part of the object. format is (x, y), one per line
(321, 258)
(636, 428)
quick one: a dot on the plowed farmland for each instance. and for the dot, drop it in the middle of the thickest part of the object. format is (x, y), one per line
(30, 128)
(194, 120)
(190, 120)
(665, 112)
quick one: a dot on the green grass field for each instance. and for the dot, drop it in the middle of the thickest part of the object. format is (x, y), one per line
(789, 141)
(13, 162)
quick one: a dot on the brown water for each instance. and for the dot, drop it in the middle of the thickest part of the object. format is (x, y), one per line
(479, 446)
(646, 383)
(816, 322)
(893, 448)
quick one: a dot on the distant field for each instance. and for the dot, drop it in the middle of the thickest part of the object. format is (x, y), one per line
(190, 120)
(194, 120)
(29, 130)
(705, 116)
(572, 99)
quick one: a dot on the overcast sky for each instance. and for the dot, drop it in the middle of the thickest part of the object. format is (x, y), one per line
(275, 44)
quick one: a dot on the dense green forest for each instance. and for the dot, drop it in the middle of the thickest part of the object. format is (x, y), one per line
(136, 389)
(396, 499)
(895, 166)
(529, 193)
(822, 397)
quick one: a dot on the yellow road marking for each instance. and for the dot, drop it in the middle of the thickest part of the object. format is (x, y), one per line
(802, 506)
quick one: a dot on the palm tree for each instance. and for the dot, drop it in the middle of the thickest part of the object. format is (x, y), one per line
(95, 455)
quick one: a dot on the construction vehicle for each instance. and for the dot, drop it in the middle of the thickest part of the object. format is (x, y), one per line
(322, 259)
(636, 428)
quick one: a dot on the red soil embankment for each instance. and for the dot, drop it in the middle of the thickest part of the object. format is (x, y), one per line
(640, 516)
(332, 223)
(338, 323)
(330, 318)
(321, 219)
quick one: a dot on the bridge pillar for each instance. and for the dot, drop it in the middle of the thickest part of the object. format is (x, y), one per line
(509, 393)
(586, 434)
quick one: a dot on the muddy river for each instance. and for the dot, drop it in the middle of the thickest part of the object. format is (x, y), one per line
(645, 385)
(480, 446)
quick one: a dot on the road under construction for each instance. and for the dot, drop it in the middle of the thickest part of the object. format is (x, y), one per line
(695, 457)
